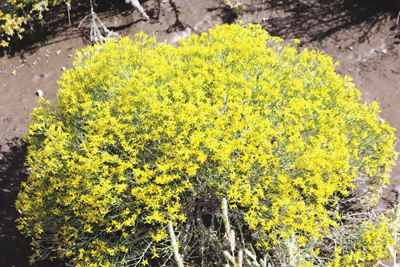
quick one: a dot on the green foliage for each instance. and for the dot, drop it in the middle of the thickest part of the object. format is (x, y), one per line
(132, 165)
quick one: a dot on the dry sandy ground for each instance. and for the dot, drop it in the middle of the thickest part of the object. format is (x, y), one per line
(363, 35)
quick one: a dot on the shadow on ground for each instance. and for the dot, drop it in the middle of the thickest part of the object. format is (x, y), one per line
(57, 23)
(14, 248)
(314, 20)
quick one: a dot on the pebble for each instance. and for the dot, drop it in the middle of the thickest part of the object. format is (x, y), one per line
(26, 172)
(63, 68)
(39, 93)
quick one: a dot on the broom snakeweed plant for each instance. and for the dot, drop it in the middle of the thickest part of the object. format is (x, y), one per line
(145, 134)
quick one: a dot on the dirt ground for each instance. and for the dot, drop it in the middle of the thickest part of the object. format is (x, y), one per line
(364, 36)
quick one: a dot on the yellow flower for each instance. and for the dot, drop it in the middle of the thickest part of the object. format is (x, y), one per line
(143, 132)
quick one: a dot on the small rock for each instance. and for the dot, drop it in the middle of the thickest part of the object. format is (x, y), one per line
(39, 93)
(47, 56)
(70, 56)
(26, 171)
(63, 68)
(58, 52)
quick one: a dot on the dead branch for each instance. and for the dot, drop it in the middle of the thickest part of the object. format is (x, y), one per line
(138, 6)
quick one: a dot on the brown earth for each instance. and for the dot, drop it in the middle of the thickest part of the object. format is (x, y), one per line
(364, 36)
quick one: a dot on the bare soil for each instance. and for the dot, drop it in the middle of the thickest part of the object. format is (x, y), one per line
(364, 36)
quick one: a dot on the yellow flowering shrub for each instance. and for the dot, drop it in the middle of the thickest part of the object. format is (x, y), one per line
(145, 134)
(15, 13)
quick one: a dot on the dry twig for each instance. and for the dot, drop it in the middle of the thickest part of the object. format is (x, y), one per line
(138, 6)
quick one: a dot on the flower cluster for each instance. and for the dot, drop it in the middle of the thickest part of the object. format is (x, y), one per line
(145, 134)
(15, 13)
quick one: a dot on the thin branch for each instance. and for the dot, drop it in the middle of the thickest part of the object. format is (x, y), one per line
(398, 17)
(95, 34)
(177, 256)
(68, 10)
(83, 21)
(138, 6)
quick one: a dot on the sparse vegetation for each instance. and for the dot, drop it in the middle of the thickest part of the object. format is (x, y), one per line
(14, 14)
